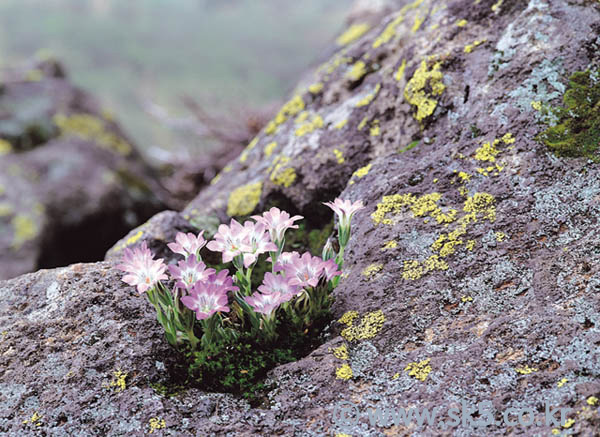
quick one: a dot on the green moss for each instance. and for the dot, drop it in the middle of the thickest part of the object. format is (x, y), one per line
(577, 133)
(412, 145)
(166, 389)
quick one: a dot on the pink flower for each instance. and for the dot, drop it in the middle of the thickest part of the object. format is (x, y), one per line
(144, 271)
(344, 210)
(304, 271)
(187, 244)
(277, 222)
(258, 242)
(229, 240)
(283, 259)
(206, 300)
(278, 284)
(223, 281)
(190, 271)
(265, 303)
(330, 269)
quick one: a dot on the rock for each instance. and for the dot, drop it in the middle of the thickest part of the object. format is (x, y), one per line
(71, 183)
(472, 275)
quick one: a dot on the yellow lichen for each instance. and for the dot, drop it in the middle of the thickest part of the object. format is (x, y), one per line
(562, 382)
(89, 127)
(470, 244)
(269, 148)
(508, 138)
(370, 325)
(25, 229)
(5, 147)
(415, 91)
(156, 423)
(465, 299)
(243, 200)
(418, 21)
(281, 174)
(357, 71)
(496, 6)
(290, 109)
(362, 172)
(526, 370)
(470, 47)
(500, 236)
(302, 117)
(363, 122)
(5, 209)
(420, 370)
(369, 98)
(341, 124)
(480, 203)
(119, 380)
(371, 269)
(400, 73)
(375, 129)
(569, 423)
(316, 88)
(487, 152)
(339, 156)
(35, 419)
(461, 23)
(341, 352)
(592, 400)
(425, 205)
(392, 244)
(537, 105)
(351, 34)
(464, 177)
(390, 30)
(215, 179)
(348, 317)
(315, 123)
(134, 238)
(344, 372)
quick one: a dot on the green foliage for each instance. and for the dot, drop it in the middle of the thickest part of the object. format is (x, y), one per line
(239, 365)
(167, 390)
(412, 145)
(304, 238)
(577, 133)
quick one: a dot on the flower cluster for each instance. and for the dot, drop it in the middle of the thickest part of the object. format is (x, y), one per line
(220, 303)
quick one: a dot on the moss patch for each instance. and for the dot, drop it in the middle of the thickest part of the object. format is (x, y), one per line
(577, 133)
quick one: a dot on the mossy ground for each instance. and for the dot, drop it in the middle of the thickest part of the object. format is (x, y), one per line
(577, 133)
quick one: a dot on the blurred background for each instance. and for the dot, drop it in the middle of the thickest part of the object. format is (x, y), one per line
(145, 59)
(112, 111)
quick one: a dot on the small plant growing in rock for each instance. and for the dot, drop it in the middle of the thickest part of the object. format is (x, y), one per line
(230, 331)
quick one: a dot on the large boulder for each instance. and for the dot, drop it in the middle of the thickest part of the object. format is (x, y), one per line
(71, 182)
(472, 275)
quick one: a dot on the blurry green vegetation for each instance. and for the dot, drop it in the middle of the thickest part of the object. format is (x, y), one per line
(225, 52)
